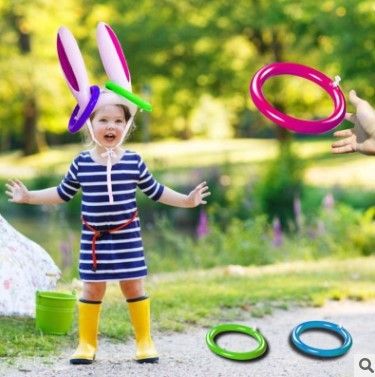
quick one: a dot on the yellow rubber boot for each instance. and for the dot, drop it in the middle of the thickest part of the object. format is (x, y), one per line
(89, 312)
(139, 310)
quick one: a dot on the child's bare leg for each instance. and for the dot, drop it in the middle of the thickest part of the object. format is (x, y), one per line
(94, 291)
(132, 289)
(139, 309)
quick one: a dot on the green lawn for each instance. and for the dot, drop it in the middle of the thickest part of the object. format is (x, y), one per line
(204, 298)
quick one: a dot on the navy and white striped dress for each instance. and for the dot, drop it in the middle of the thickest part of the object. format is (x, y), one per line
(120, 254)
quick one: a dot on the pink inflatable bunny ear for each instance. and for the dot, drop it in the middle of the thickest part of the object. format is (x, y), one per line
(74, 70)
(116, 67)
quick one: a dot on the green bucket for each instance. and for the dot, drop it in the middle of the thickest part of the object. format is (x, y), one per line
(55, 312)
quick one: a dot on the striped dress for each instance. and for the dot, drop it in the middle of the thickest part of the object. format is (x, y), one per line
(119, 254)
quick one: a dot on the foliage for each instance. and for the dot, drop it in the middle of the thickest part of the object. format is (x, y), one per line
(210, 48)
(281, 186)
(189, 58)
(29, 67)
(240, 242)
(339, 233)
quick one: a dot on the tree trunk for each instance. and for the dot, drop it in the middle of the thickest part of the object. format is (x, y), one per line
(282, 134)
(30, 143)
(275, 48)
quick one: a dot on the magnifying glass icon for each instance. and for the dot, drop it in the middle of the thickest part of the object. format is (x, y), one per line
(365, 364)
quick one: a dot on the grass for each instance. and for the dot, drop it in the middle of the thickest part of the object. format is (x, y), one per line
(324, 168)
(203, 298)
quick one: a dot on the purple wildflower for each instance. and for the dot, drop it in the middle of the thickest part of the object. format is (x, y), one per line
(277, 232)
(321, 228)
(66, 254)
(329, 202)
(202, 228)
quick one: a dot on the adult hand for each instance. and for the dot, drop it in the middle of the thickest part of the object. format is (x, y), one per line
(361, 138)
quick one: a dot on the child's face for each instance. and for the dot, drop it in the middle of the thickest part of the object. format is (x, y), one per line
(108, 124)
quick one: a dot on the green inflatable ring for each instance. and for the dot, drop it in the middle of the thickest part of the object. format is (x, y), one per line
(240, 356)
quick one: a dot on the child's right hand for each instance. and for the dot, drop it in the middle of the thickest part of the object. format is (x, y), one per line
(17, 191)
(361, 138)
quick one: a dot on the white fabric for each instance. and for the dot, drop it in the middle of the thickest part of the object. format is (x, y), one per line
(107, 97)
(25, 267)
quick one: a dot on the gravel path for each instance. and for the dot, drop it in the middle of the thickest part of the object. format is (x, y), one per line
(186, 354)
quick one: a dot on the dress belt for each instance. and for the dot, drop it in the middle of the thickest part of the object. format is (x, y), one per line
(98, 233)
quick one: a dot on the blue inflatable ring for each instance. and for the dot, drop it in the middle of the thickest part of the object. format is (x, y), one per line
(322, 325)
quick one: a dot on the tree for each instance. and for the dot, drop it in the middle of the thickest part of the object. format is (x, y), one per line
(31, 92)
(30, 141)
(186, 51)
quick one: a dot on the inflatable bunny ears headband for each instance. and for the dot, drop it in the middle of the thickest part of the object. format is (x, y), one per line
(89, 98)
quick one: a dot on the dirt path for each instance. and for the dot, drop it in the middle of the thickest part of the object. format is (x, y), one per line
(186, 355)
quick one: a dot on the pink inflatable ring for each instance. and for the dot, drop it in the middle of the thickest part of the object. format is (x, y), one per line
(294, 124)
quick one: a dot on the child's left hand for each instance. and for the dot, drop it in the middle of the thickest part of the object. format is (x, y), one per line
(197, 196)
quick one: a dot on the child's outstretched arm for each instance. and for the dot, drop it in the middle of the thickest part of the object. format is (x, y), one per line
(194, 199)
(19, 193)
(361, 138)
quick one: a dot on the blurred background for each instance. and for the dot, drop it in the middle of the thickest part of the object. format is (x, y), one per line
(276, 196)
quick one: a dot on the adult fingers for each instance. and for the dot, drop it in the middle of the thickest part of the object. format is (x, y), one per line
(346, 148)
(351, 117)
(353, 98)
(343, 133)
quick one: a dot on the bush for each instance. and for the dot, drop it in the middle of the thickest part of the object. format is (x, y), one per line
(242, 242)
(166, 249)
(281, 184)
(339, 232)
